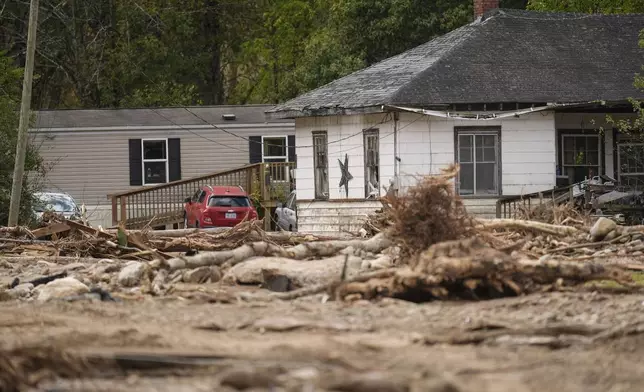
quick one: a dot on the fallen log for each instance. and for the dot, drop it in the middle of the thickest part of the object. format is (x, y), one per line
(516, 224)
(262, 249)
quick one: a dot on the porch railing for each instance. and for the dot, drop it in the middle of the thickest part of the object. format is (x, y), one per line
(162, 205)
(509, 207)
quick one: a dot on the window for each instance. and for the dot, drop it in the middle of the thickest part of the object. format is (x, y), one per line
(321, 165)
(228, 201)
(275, 149)
(478, 157)
(371, 163)
(155, 161)
(631, 164)
(580, 156)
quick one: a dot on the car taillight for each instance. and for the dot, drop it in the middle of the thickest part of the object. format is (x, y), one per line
(253, 214)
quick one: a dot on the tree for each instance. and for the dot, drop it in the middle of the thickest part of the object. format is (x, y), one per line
(10, 92)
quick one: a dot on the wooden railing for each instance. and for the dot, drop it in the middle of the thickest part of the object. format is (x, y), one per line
(162, 205)
(509, 207)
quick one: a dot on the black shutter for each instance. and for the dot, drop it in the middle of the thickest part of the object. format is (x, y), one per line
(255, 149)
(136, 162)
(174, 159)
(292, 156)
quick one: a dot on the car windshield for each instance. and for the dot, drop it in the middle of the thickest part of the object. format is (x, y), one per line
(55, 203)
(228, 201)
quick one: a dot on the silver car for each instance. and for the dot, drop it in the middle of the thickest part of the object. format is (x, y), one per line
(60, 203)
(286, 215)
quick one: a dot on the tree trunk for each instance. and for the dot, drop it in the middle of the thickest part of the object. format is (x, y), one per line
(213, 92)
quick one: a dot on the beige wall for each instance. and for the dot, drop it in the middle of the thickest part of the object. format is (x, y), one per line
(90, 164)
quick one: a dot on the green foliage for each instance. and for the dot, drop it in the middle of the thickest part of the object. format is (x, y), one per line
(588, 6)
(10, 92)
(122, 53)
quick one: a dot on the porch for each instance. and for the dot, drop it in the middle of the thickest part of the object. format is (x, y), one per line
(162, 205)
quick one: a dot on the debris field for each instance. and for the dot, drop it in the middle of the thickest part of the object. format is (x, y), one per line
(424, 298)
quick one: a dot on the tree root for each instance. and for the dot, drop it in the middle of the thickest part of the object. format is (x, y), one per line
(515, 224)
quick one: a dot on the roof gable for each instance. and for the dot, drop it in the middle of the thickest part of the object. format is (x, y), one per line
(506, 56)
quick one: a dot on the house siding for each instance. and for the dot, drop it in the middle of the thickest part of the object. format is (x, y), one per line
(425, 145)
(90, 164)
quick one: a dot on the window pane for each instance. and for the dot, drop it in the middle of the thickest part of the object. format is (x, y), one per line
(489, 154)
(465, 154)
(569, 143)
(466, 179)
(592, 158)
(228, 201)
(154, 149)
(155, 173)
(569, 158)
(274, 146)
(486, 178)
(465, 140)
(488, 140)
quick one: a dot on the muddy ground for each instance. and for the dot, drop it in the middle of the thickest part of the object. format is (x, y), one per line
(189, 344)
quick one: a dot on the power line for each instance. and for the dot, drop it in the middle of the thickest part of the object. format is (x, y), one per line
(195, 133)
(384, 120)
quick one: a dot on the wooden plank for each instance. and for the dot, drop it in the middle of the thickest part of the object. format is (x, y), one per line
(54, 228)
(90, 230)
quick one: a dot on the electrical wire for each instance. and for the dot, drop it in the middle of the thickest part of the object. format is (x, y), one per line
(384, 120)
(195, 133)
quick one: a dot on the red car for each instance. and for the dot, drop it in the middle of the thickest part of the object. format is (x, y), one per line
(218, 206)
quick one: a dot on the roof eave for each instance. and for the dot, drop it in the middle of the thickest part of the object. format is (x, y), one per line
(290, 113)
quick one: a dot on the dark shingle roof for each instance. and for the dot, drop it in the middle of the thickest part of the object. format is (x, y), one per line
(506, 56)
(82, 118)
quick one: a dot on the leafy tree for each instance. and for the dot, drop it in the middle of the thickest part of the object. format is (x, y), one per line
(10, 92)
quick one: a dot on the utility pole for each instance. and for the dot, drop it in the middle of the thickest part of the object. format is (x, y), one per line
(25, 108)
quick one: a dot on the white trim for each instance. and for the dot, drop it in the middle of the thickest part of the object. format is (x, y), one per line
(183, 127)
(166, 160)
(483, 115)
(285, 157)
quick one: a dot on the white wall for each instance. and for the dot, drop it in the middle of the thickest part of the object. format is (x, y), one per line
(425, 145)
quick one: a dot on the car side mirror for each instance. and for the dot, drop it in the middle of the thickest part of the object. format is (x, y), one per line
(187, 200)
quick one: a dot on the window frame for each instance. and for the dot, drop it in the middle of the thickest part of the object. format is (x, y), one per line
(599, 163)
(274, 157)
(474, 131)
(620, 173)
(319, 193)
(166, 160)
(366, 134)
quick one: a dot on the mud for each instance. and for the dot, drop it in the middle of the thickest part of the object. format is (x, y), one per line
(178, 344)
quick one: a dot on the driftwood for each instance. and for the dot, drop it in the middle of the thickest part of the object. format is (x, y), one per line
(262, 249)
(515, 224)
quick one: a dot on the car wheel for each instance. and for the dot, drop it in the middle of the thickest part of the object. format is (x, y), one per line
(197, 224)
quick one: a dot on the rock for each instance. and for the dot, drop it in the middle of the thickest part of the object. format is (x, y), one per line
(300, 273)
(611, 236)
(21, 290)
(601, 228)
(60, 288)
(215, 274)
(197, 275)
(131, 274)
(638, 253)
(247, 378)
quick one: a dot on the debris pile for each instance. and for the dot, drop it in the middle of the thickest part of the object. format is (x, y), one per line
(425, 247)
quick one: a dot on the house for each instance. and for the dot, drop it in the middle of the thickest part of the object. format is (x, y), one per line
(517, 98)
(93, 153)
